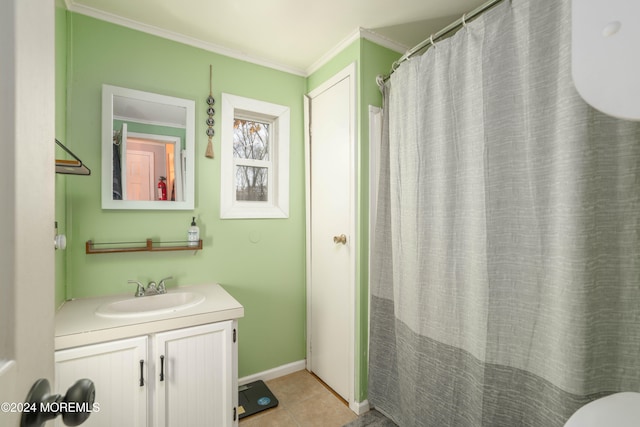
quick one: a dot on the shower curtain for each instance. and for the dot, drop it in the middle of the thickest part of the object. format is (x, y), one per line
(505, 286)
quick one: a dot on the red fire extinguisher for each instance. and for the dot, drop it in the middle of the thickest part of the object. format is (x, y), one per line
(162, 189)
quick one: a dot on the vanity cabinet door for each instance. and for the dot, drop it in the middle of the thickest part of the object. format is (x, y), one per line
(119, 379)
(196, 376)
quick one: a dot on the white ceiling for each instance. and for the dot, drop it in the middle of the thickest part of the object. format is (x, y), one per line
(292, 35)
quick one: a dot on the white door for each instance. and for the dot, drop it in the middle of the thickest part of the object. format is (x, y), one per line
(140, 175)
(331, 232)
(195, 374)
(27, 178)
(119, 371)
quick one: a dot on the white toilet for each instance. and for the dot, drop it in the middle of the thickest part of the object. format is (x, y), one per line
(616, 410)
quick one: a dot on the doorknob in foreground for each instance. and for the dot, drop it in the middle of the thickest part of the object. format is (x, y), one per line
(75, 406)
(340, 239)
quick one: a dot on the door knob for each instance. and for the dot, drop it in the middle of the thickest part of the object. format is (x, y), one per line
(75, 406)
(340, 239)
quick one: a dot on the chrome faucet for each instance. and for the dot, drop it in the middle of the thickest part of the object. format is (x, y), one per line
(162, 289)
(152, 287)
(139, 290)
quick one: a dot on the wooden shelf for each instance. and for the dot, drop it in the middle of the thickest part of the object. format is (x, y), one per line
(149, 246)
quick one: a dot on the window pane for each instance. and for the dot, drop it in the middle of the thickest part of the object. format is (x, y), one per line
(250, 139)
(251, 183)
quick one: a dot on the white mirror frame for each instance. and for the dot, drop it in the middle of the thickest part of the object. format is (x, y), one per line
(108, 93)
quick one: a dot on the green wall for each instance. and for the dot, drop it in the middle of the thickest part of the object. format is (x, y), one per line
(371, 60)
(260, 262)
(267, 277)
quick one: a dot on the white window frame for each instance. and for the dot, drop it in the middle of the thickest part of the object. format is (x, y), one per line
(278, 181)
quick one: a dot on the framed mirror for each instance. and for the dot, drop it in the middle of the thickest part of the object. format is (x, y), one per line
(147, 150)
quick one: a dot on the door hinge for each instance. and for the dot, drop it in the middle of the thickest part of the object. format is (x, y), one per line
(234, 335)
(234, 413)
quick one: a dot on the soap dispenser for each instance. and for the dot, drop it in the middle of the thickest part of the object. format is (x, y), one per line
(193, 234)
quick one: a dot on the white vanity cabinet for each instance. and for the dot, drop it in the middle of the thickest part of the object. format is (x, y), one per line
(196, 384)
(181, 377)
(115, 369)
(195, 348)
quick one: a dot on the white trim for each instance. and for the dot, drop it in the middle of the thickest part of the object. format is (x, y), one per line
(329, 55)
(383, 41)
(280, 371)
(232, 53)
(276, 372)
(188, 203)
(307, 204)
(360, 407)
(177, 37)
(358, 33)
(149, 122)
(350, 72)
(278, 204)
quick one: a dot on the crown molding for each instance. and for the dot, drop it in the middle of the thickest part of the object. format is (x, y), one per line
(221, 50)
(357, 34)
(383, 41)
(180, 38)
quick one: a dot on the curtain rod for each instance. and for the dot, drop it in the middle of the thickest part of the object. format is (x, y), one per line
(437, 36)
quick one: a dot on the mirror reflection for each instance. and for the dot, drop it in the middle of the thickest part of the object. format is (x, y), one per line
(147, 150)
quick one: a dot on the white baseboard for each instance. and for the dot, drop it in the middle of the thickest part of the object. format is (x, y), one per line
(270, 374)
(360, 407)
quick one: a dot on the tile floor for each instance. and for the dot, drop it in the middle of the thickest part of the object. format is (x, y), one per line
(303, 401)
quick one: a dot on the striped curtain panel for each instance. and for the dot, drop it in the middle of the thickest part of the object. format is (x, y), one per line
(506, 271)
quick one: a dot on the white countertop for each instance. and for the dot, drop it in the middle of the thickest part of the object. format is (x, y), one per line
(77, 324)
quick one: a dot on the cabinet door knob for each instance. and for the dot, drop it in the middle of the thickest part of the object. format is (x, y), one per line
(161, 368)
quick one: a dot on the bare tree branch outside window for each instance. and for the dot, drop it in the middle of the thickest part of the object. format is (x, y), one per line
(251, 142)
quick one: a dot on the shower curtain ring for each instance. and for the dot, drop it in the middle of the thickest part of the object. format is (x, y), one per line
(431, 41)
(464, 20)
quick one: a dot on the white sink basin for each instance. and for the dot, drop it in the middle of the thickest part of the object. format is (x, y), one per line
(150, 305)
(616, 410)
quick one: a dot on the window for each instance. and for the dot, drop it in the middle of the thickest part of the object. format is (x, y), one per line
(251, 158)
(254, 159)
